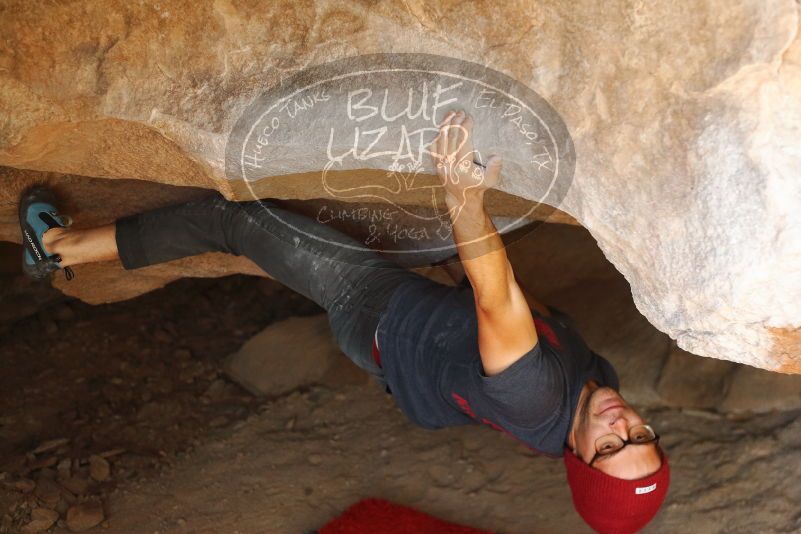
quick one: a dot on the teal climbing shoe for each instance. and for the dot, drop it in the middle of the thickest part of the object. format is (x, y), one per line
(38, 214)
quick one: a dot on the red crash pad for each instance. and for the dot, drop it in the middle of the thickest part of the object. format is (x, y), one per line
(371, 516)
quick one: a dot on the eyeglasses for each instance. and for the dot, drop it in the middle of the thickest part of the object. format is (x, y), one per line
(612, 443)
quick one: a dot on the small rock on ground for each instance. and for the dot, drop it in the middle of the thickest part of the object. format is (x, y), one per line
(41, 519)
(84, 516)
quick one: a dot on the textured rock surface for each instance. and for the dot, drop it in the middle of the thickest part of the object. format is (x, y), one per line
(686, 118)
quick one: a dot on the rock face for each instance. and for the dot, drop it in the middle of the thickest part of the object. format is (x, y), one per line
(685, 116)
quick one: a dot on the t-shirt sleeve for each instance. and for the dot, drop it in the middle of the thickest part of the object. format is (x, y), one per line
(528, 391)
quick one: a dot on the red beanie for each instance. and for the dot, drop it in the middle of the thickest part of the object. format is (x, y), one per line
(614, 505)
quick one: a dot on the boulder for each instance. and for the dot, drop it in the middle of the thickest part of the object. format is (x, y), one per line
(284, 356)
(685, 117)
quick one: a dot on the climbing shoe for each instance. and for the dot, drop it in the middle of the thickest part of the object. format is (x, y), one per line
(38, 214)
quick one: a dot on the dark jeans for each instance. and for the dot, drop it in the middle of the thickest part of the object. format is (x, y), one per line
(353, 285)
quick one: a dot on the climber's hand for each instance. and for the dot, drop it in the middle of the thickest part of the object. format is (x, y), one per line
(455, 159)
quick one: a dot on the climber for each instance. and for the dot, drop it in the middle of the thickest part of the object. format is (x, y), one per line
(482, 351)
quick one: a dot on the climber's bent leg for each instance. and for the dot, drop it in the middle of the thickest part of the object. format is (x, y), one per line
(351, 283)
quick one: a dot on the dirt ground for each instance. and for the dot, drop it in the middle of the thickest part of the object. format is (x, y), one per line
(148, 428)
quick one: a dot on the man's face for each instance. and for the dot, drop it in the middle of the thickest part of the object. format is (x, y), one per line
(604, 412)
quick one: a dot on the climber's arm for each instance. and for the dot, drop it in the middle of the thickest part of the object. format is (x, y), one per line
(505, 325)
(455, 272)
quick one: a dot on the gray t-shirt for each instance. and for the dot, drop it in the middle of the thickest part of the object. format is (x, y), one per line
(428, 337)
